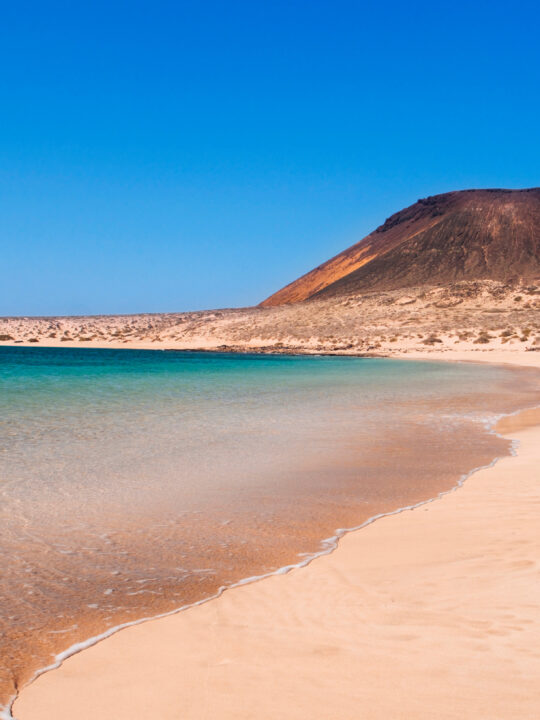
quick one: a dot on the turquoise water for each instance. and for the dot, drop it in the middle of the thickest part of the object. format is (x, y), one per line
(133, 482)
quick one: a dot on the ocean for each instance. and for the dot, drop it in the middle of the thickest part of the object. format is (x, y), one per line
(134, 483)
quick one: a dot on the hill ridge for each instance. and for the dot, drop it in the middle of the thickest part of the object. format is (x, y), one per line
(491, 233)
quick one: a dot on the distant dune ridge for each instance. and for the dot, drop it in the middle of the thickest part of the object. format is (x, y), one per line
(464, 235)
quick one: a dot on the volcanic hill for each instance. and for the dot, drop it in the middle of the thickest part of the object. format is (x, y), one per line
(442, 239)
(454, 273)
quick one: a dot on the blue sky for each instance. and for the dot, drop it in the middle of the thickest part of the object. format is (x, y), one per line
(164, 156)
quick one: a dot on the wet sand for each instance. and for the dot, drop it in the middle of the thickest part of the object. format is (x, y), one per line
(319, 498)
(428, 613)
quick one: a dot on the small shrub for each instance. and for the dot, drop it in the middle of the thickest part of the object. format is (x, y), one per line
(483, 338)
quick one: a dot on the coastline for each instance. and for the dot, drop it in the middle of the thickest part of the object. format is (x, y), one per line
(81, 671)
(478, 317)
(521, 357)
(496, 353)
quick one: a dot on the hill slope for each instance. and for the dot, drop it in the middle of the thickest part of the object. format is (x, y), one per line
(465, 235)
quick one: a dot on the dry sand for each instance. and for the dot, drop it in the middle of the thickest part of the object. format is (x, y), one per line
(432, 613)
(476, 317)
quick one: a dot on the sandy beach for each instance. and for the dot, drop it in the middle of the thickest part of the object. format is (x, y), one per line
(430, 608)
(270, 362)
(479, 319)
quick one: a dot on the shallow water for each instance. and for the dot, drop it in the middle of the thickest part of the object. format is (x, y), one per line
(134, 482)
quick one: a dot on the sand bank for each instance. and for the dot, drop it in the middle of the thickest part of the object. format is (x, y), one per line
(497, 356)
(430, 613)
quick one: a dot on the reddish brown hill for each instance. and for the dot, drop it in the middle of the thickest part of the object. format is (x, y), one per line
(466, 235)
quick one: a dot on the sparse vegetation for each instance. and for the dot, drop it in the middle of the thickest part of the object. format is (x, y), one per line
(431, 339)
(483, 338)
(321, 325)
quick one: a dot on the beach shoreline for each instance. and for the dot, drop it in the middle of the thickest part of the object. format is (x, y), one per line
(495, 352)
(480, 318)
(25, 706)
(492, 356)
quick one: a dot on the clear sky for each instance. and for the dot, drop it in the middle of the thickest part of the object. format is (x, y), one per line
(167, 156)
